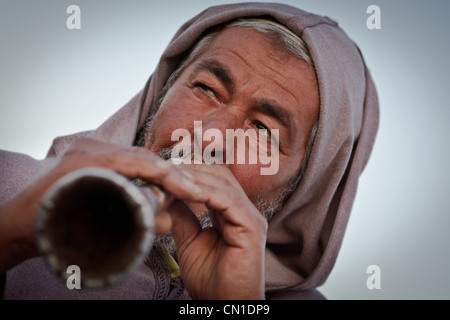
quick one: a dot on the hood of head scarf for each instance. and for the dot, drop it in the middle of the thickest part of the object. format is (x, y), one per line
(304, 238)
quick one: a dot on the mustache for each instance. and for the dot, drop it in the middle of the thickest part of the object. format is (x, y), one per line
(179, 152)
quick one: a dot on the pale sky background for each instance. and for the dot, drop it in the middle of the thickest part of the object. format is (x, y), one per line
(54, 81)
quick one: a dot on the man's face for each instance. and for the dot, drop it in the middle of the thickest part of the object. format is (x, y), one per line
(243, 81)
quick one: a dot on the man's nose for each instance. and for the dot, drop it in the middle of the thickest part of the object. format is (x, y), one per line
(214, 139)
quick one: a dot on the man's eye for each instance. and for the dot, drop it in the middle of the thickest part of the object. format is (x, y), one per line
(207, 90)
(262, 129)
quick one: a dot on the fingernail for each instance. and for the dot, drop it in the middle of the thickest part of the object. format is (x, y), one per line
(197, 191)
(188, 175)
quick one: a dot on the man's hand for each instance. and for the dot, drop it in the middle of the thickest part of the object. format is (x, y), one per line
(225, 261)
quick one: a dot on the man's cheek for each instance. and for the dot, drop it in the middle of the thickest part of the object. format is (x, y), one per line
(250, 179)
(170, 128)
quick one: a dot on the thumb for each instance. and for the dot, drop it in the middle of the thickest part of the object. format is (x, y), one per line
(185, 225)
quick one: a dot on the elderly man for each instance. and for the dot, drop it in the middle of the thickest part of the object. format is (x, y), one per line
(292, 77)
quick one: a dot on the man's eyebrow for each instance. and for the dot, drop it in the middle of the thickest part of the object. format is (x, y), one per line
(220, 71)
(275, 111)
